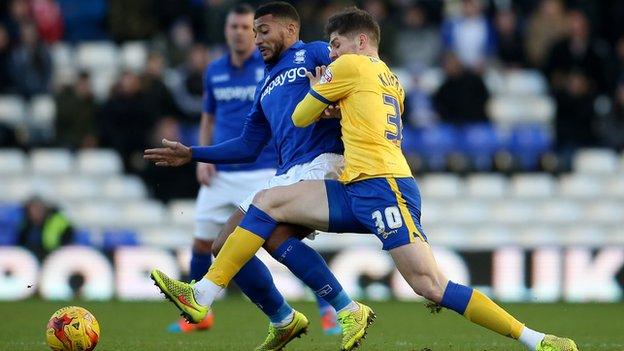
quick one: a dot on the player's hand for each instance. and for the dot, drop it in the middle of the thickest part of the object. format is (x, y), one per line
(320, 71)
(332, 111)
(173, 154)
(205, 173)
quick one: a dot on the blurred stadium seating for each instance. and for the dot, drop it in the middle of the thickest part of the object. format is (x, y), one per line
(114, 209)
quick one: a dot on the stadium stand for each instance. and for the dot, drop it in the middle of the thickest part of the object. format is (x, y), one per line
(96, 189)
(483, 209)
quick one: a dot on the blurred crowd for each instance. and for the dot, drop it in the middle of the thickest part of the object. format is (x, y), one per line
(577, 45)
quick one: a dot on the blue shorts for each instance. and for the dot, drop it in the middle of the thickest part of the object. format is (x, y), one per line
(388, 207)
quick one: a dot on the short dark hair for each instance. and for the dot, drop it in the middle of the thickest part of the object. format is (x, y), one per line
(278, 9)
(242, 9)
(352, 21)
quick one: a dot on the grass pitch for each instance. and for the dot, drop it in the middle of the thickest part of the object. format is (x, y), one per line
(240, 326)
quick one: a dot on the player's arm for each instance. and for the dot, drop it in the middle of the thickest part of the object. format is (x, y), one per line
(337, 81)
(308, 110)
(243, 149)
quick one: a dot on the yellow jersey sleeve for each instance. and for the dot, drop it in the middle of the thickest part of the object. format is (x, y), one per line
(339, 80)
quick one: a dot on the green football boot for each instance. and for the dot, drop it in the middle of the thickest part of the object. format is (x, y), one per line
(182, 296)
(279, 337)
(555, 343)
(354, 326)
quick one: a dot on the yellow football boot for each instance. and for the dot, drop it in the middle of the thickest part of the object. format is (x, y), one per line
(555, 343)
(182, 295)
(279, 337)
(354, 326)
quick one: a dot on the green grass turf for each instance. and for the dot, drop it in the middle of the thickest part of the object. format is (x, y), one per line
(240, 326)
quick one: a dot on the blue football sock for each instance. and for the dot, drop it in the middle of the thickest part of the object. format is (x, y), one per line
(456, 297)
(255, 281)
(306, 264)
(200, 262)
(258, 222)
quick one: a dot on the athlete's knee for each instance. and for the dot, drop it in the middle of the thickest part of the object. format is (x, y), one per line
(267, 201)
(202, 246)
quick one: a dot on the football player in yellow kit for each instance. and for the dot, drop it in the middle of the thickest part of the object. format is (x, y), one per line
(376, 191)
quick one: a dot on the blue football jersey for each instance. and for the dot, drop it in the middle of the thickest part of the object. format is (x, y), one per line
(229, 95)
(285, 85)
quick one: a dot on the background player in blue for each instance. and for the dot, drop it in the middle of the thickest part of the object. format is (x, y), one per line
(303, 153)
(229, 86)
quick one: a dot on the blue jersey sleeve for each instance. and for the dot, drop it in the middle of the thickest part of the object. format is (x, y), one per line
(208, 99)
(320, 49)
(243, 149)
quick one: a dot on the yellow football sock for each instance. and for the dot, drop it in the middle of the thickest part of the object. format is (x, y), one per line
(239, 248)
(484, 312)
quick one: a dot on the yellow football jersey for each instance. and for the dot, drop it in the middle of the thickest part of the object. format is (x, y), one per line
(371, 102)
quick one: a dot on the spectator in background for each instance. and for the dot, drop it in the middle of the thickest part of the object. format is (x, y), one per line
(19, 13)
(180, 42)
(155, 89)
(619, 58)
(31, 65)
(207, 18)
(419, 40)
(574, 120)
(462, 96)
(167, 183)
(126, 121)
(470, 35)
(5, 59)
(545, 27)
(612, 128)
(579, 51)
(132, 20)
(315, 15)
(84, 19)
(380, 11)
(187, 87)
(509, 40)
(8, 138)
(420, 111)
(47, 15)
(75, 115)
(169, 11)
(44, 228)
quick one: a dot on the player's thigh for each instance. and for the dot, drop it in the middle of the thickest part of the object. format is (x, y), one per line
(228, 228)
(304, 203)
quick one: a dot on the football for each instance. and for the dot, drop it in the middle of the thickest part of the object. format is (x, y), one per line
(72, 328)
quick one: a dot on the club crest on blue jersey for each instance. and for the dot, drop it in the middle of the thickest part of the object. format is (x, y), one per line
(300, 56)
